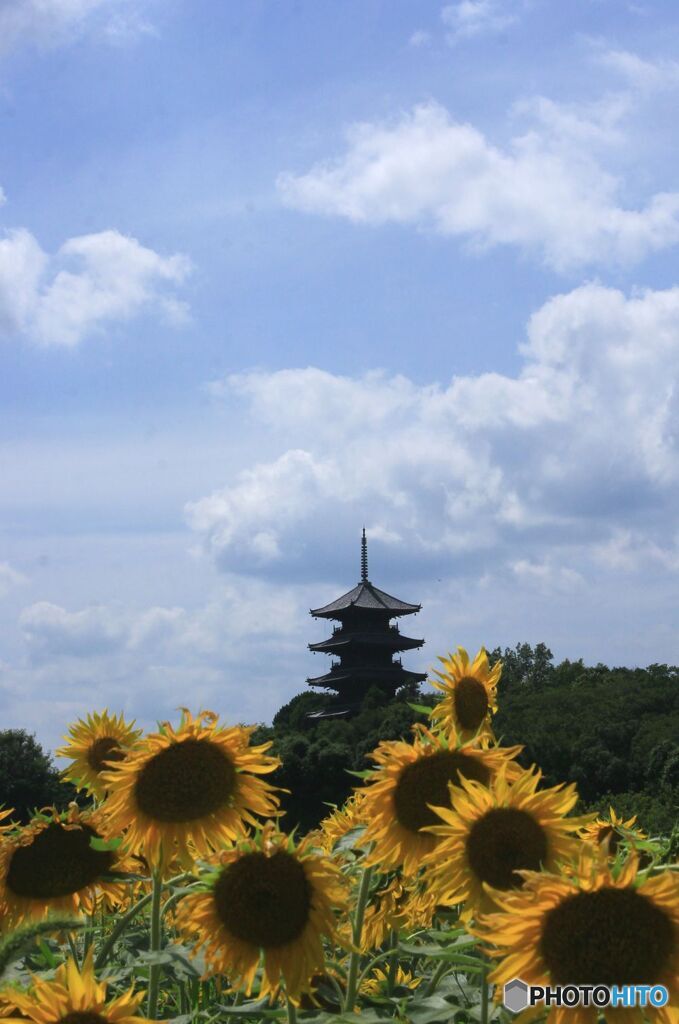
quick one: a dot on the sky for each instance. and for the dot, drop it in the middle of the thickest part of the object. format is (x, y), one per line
(271, 272)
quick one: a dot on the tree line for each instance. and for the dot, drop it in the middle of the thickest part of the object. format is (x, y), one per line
(612, 731)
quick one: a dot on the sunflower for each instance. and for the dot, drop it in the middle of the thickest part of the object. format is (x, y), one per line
(612, 831)
(377, 984)
(469, 694)
(73, 997)
(183, 792)
(96, 744)
(51, 865)
(340, 821)
(599, 924)
(410, 777)
(400, 905)
(493, 832)
(267, 897)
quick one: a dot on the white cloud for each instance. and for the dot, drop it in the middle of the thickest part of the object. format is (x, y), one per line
(476, 17)
(52, 631)
(531, 471)
(50, 23)
(92, 281)
(420, 38)
(10, 578)
(544, 192)
(641, 74)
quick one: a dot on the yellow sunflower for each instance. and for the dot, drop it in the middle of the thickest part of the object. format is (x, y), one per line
(184, 792)
(400, 905)
(340, 821)
(266, 897)
(596, 925)
(96, 744)
(73, 997)
(51, 865)
(377, 984)
(612, 831)
(469, 694)
(412, 776)
(493, 832)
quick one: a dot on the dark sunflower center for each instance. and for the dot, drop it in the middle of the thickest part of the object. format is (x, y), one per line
(83, 1017)
(502, 842)
(471, 702)
(103, 750)
(264, 900)
(58, 862)
(186, 781)
(609, 834)
(607, 937)
(426, 782)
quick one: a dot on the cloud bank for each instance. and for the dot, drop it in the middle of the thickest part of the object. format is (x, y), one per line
(544, 191)
(574, 462)
(90, 282)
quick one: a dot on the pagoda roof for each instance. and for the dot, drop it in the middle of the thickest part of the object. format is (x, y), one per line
(394, 641)
(394, 674)
(367, 597)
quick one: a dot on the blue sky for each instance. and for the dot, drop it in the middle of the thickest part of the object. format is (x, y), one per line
(269, 272)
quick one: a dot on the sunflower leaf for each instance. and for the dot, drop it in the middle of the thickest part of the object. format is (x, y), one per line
(102, 845)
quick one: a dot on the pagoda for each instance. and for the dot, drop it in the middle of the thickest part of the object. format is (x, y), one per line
(365, 643)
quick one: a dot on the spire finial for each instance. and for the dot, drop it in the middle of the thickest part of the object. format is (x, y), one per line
(364, 558)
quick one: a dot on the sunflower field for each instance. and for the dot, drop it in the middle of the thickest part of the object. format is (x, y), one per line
(170, 892)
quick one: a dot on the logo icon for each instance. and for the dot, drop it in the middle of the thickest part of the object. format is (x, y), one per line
(515, 995)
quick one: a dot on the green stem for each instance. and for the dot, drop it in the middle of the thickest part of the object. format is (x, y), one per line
(72, 947)
(292, 1012)
(120, 927)
(154, 969)
(369, 966)
(354, 960)
(123, 921)
(393, 963)
(484, 995)
(436, 977)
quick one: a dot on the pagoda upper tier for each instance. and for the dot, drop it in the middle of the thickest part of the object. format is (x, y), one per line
(365, 642)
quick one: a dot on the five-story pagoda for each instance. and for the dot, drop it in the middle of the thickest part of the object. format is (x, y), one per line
(364, 642)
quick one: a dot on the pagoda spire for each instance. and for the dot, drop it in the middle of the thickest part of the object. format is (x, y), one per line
(365, 644)
(364, 558)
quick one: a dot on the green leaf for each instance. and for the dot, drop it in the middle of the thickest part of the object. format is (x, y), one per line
(103, 845)
(421, 709)
(350, 839)
(429, 1009)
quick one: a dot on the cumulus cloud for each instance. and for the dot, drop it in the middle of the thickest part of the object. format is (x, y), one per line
(92, 281)
(50, 23)
(642, 74)
(582, 442)
(10, 578)
(544, 192)
(476, 17)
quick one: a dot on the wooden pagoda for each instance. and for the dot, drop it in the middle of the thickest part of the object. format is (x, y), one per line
(365, 643)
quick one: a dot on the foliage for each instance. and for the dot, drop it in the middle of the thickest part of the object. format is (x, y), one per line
(613, 731)
(318, 755)
(28, 779)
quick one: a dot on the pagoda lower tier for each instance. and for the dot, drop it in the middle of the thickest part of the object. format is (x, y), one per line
(353, 684)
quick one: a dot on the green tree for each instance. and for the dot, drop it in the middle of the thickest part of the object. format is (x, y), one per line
(28, 779)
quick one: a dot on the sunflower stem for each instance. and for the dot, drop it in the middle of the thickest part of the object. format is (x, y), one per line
(357, 931)
(123, 921)
(393, 963)
(292, 1012)
(74, 951)
(436, 977)
(154, 969)
(484, 995)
